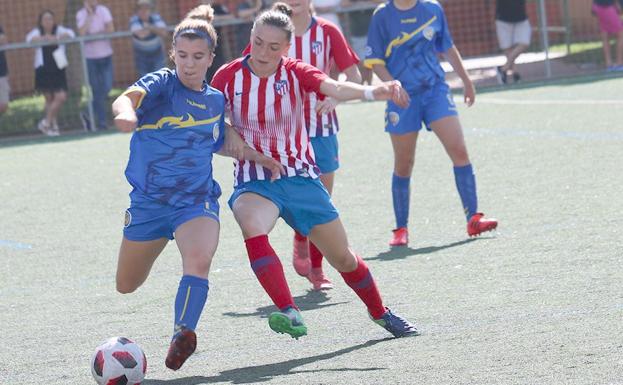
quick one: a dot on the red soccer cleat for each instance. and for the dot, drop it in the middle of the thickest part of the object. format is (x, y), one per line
(478, 224)
(319, 280)
(183, 345)
(300, 256)
(400, 237)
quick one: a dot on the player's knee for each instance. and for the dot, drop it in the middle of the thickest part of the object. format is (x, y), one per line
(126, 287)
(197, 262)
(404, 167)
(345, 261)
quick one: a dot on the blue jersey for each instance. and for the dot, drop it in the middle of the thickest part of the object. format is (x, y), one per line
(407, 43)
(171, 150)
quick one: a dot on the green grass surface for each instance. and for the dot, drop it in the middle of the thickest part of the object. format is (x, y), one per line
(538, 302)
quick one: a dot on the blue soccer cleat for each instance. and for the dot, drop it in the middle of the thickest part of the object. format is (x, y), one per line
(396, 325)
(288, 321)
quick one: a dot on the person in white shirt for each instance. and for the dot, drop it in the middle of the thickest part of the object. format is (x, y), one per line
(50, 62)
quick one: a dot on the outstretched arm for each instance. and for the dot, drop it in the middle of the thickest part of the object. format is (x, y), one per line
(343, 91)
(124, 112)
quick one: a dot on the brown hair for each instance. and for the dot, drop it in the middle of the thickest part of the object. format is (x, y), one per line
(198, 25)
(278, 16)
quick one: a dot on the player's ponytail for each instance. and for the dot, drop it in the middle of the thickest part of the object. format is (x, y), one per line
(198, 25)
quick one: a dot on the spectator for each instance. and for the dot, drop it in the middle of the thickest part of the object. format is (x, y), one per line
(327, 9)
(5, 88)
(95, 19)
(359, 22)
(607, 12)
(514, 33)
(148, 30)
(50, 62)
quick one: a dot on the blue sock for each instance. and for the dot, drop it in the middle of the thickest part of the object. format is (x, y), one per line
(191, 297)
(400, 195)
(466, 185)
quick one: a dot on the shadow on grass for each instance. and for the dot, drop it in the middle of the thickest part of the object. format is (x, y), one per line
(262, 373)
(310, 301)
(404, 252)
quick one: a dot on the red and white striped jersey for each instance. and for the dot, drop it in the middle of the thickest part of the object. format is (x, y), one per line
(322, 45)
(268, 114)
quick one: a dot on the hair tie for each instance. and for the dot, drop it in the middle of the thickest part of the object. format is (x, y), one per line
(195, 31)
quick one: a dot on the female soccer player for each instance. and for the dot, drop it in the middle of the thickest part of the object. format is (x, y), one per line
(265, 94)
(178, 124)
(403, 41)
(319, 42)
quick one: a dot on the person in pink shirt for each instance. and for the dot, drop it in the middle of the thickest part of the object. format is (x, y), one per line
(95, 19)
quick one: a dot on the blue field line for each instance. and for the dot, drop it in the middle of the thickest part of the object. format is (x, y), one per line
(584, 136)
(14, 245)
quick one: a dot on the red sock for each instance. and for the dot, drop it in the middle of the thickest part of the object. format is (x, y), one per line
(269, 271)
(362, 283)
(315, 255)
(298, 236)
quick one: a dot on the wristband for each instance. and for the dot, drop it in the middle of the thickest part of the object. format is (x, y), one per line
(368, 93)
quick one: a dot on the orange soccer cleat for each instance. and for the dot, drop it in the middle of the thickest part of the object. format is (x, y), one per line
(400, 237)
(478, 224)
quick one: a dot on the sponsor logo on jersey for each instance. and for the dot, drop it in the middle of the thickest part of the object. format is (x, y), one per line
(429, 33)
(394, 118)
(128, 218)
(195, 104)
(281, 87)
(407, 21)
(216, 130)
(316, 47)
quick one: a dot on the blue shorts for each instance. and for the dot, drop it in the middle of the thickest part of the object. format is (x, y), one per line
(149, 221)
(425, 107)
(302, 202)
(326, 152)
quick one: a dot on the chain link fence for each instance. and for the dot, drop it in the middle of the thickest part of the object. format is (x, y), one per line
(565, 42)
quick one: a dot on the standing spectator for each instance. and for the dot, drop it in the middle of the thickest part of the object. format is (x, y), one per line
(50, 62)
(514, 33)
(607, 11)
(148, 29)
(5, 88)
(96, 19)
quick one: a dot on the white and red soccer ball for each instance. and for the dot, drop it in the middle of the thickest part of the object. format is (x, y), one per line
(118, 361)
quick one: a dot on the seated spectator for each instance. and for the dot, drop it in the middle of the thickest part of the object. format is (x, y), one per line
(607, 12)
(514, 32)
(96, 19)
(50, 62)
(148, 30)
(5, 88)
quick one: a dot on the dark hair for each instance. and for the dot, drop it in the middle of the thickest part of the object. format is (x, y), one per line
(198, 25)
(278, 16)
(43, 13)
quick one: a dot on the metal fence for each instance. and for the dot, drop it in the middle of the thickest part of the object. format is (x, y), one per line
(566, 42)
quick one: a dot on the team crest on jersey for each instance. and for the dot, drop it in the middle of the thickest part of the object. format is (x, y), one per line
(394, 118)
(215, 131)
(281, 87)
(429, 33)
(316, 47)
(128, 218)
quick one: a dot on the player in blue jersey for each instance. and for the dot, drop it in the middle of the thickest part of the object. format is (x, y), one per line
(178, 124)
(404, 39)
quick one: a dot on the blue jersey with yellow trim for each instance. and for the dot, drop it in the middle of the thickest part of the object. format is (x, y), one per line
(407, 43)
(177, 133)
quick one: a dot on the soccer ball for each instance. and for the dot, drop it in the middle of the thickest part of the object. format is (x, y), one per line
(118, 361)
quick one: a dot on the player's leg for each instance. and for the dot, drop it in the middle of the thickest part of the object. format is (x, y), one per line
(332, 241)
(256, 215)
(404, 159)
(197, 239)
(448, 130)
(135, 261)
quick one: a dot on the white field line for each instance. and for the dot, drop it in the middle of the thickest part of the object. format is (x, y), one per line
(575, 102)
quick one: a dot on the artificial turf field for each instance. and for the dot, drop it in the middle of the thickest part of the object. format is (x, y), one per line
(540, 301)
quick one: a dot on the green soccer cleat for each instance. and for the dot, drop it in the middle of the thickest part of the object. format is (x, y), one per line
(288, 321)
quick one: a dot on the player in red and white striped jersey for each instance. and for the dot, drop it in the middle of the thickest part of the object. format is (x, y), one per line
(265, 93)
(320, 43)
